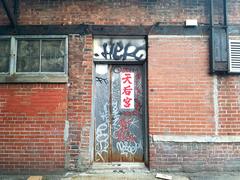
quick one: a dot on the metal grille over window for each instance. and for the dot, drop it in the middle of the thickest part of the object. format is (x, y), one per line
(4, 55)
(234, 56)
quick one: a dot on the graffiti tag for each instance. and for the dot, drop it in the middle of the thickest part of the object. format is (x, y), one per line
(102, 80)
(102, 136)
(126, 148)
(118, 51)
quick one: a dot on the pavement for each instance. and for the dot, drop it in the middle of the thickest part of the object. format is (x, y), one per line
(124, 172)
(131, 176)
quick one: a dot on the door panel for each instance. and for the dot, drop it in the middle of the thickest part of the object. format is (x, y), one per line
(119, 113)
(127, 138)
(101, 113)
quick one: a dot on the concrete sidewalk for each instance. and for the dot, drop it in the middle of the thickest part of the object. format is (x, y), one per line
(131, 176)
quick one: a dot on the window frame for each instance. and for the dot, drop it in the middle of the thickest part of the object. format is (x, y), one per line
(34, 77)
(9, 66)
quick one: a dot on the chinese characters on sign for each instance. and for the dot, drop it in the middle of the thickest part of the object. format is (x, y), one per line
(127, 90)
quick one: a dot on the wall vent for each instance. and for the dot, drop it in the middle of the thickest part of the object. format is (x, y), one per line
(234, 56)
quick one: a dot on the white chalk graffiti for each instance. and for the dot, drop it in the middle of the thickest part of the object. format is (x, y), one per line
(102, 134)
(126, 147)
(116, 117)
(102, 138)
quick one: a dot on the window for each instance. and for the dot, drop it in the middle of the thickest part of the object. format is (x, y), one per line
(33, 59)
(40, 55)
(4, 55)
(28, 56)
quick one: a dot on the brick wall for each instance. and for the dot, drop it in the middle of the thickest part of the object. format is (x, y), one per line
(185, 100)
(32, 118)
(182, 94)
(133, 12)
(79, 101)
(194, 157)
(109, 12)
(234, 12)
(229, 105)
(180, 89)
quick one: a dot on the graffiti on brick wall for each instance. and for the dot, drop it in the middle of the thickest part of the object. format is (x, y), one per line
(119, 49)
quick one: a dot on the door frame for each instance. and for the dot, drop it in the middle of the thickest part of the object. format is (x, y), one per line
(144, 65)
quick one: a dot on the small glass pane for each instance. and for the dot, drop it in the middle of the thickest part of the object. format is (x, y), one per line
(28, 56)
(53, 55)
(4, 55)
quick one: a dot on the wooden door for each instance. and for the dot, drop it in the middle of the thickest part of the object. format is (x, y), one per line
(118, 113)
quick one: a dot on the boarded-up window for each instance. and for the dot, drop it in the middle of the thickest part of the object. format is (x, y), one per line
(4, 55)
(41, 55)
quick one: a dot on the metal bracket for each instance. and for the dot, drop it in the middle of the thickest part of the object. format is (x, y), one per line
(11, 14)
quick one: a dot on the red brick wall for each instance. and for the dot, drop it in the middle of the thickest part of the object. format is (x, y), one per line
(180, 88)
(234, 11)
(109, 12)
(32, 118)
(133, 12)
(185, 100)
(229, 105)
(181, 91)
(79, 101)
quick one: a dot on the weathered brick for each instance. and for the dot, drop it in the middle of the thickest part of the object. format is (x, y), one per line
(181, 99)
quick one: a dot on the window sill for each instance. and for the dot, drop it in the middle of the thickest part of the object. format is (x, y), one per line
(34, 78)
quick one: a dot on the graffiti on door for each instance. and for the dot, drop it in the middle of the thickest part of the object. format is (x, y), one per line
(126, 141)
(118, 99)
(101, 114)
(127, 121)
(102, 135)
